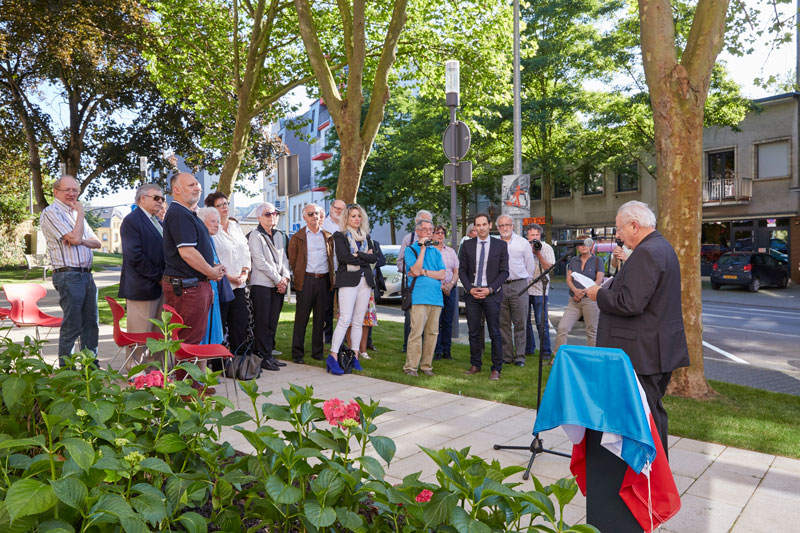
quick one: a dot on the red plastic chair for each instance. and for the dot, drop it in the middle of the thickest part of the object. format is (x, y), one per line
(24, 311)
(194, 353)
(124, 339)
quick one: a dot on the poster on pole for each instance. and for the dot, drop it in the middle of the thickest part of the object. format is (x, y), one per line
(516, 195)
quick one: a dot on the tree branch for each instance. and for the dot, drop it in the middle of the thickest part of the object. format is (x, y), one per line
(319, 64)
(706, 38)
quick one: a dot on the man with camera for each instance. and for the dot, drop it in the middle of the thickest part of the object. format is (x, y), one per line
(513, 306)
(537, 295)
(425, 268)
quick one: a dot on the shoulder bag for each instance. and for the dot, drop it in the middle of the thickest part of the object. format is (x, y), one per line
(407, 290)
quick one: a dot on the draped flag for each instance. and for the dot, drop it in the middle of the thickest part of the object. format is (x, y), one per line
(597, 388)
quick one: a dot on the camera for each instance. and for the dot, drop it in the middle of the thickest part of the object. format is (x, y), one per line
(431, 243)
(537, 245)
(619, 242)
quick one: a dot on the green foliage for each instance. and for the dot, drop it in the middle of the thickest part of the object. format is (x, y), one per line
(82, 450)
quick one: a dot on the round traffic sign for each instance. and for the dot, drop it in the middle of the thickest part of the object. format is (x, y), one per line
(456, 140)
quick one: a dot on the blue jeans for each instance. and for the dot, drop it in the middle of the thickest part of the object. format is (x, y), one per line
(77, 296)
(539, 304)
(445, 339)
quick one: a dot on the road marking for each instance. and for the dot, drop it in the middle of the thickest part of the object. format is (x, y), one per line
(723, 352)
(755, 312)
(706, 326)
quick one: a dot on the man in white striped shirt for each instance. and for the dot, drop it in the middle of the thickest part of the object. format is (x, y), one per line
(70, 241)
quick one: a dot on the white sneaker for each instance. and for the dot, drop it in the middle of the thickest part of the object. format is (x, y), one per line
(276, 353)
(364, 355)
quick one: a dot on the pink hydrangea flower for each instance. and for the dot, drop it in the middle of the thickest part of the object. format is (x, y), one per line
(424, 496)
(154, 378)
(337, 412)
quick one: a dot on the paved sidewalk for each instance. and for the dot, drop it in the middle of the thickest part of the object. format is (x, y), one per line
(723, 489)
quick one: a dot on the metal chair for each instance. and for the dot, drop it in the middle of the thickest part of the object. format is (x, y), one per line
(125, 339)
(24, 310)
(194, 353)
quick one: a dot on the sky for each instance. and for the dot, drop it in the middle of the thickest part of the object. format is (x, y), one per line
(762, 63)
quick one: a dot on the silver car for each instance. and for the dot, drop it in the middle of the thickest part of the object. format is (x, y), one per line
(394, 279)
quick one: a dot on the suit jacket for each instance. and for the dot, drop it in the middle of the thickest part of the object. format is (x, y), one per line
(496, 264)
(345, 277)
(640, 312)
(142, 257)
(268, 257)
(298, 256)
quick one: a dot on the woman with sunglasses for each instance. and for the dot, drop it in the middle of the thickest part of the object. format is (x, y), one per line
(449, 295)
(354, 279)
(234, 253)
(269, 280)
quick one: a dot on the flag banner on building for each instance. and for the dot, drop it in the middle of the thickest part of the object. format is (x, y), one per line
(597, 388)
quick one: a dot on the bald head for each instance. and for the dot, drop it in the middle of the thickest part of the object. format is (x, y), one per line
(186, 189)
(66, 189)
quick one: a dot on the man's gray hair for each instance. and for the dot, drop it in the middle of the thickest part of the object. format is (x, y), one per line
(142, 191)
(505, 216)
(423, 214)
(423, 221)
(315, 206)
(639, 212)
(57, 183)
(470, 228)
(266, 206)
(535, 226)
(204, 212)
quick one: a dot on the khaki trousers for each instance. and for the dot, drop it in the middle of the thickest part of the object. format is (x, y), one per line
(424, 318)
(139, 313)
(574, 310)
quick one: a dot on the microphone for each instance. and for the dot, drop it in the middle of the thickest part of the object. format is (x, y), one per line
(581, 242)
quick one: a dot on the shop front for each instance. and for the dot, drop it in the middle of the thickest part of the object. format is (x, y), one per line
(766, 235)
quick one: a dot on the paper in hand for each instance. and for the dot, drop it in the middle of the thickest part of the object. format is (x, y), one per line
(583, 281)
(607, 282)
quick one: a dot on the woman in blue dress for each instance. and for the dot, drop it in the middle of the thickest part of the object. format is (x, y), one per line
(214, 335)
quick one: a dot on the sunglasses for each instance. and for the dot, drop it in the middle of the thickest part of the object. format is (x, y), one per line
(270, 214)
(155, 197)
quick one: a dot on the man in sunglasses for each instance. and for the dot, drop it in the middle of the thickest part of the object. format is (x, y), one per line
(142, 264)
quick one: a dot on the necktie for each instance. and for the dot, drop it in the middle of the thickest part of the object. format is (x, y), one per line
(481, 260)
(157, 224)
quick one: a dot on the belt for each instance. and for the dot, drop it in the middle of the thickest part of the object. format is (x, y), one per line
(170, 278)
(512, 280)
(315, 275)
(73, 269)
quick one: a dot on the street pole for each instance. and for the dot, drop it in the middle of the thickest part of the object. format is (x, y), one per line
(517, 98)
(452, 89)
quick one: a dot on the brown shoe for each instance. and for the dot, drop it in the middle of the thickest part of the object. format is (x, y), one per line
(428, 372)
(494, 376)
(412, 373)
(472, 370)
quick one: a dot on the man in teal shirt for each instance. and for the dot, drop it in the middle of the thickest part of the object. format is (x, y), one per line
(425, 268)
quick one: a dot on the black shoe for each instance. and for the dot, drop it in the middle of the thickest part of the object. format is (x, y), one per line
(277, 362)
(437, 357)
(447, 356)
(318, 357)
(519, 363)
(267, 364)
(371, 348)
(298, 361)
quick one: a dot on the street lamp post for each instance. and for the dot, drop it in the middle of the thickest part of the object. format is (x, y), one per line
(452, 89)
(143, 168)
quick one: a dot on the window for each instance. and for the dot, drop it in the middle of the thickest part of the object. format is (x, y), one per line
(561, 189)
(628, 178)
(105, 236)
(772, 160)
(721, 165)
(594, 185)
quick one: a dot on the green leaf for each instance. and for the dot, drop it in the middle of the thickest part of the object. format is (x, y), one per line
(372, 466)
(151, 507)
(475, 475)
(80, 451)
(222, 494)
(113, 504)
(237, 477)
(193, 522)
(14, 388)
(564, 490)
(236, 417)
(327, 486)
(324, 442)
(134, 524)
(350, 521)
(465, 524)
(439, 508)
(38, 440)
(154, 464)
(276, 412)
(100, 410)
(582, 528)
(280, 492)
(55, 526)
(70, 491)
(384, 446)
(139, 398)
(28, 497)
(319, 516)
(170, 443)
(541, 502)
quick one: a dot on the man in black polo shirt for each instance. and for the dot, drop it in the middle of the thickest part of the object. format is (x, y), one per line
(189, 259)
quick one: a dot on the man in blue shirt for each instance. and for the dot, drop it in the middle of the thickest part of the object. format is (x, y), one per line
(425, 267)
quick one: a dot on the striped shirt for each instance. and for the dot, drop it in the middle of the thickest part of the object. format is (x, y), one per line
(57, 220)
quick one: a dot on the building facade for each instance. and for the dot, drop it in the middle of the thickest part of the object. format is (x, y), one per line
(108, 232)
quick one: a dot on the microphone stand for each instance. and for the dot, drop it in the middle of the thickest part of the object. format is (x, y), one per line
(536, 446)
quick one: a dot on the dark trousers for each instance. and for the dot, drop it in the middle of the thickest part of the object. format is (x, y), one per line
(445, 339)
(234, 320)
(328, 326)
(489, 307)
(193, 305)
(267, 304)
(539, 305)
(77, 296)
(313, 297)
(655, 386)
(406, 329)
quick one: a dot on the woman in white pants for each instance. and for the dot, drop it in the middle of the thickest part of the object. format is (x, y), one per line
(354, 279)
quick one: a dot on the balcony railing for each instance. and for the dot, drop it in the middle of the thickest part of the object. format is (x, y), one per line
(727, 191)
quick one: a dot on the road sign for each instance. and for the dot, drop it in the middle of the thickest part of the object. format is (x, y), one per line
(456, 140)
(461, 172)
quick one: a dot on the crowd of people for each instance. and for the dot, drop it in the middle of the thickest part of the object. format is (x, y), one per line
(230, 288)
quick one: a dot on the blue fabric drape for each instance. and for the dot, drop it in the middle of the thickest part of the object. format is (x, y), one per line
(214, 333)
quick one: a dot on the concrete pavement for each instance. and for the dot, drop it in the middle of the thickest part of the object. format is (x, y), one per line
(722, 488)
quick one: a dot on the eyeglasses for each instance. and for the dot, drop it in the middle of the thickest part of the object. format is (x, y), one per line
(270, 214)
(69, 190)
(505, 225)
(221, 204)
(440, 232)
(155, 197)
(312, 214)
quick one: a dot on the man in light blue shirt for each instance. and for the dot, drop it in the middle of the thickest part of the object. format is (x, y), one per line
(425, 267)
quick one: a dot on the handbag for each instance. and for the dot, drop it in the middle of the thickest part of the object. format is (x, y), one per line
(225, 290)
(346, 358)
(407, 291)
(245, 364)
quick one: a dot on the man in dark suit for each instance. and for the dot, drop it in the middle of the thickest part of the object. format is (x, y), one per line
(640, 312)
(142, 263)
(483, 267)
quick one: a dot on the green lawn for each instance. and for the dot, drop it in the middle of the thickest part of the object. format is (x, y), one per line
(17, 275)
(740, 416)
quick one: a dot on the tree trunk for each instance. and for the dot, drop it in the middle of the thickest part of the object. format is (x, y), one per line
(35, 162)
(547, 196)
(233, 162)
(351, 159)
(391, 228)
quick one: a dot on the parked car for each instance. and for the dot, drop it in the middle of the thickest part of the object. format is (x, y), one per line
(749, 269)
(394, 279)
